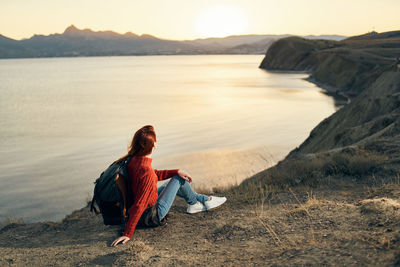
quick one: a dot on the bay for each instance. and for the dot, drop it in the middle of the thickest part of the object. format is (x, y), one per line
(64, 120)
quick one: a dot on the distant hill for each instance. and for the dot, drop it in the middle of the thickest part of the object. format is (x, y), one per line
(76, 42)
(375, 35)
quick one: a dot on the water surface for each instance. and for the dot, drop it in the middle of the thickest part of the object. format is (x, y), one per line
(63, 120)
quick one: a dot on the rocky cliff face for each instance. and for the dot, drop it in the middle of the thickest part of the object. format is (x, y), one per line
(292, 54)
(347, 66)
(363, 68)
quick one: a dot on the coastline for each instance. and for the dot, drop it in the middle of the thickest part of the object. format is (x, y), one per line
(342, 97)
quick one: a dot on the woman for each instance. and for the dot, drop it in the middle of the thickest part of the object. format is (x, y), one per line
(150, 204)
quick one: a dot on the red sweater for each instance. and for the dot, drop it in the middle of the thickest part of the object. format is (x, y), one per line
(144, 188)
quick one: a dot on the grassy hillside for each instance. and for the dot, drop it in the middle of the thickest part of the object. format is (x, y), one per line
(371, 120)
(355, 67)
(360, 141)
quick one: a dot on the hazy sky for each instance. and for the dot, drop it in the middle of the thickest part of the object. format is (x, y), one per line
(189, 19)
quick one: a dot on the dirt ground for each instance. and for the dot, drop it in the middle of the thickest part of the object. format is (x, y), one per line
(352, 227)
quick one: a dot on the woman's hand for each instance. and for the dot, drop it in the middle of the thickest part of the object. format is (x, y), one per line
(122, 239)
(185, 175)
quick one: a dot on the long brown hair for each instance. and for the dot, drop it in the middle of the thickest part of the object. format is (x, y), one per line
(142, 142)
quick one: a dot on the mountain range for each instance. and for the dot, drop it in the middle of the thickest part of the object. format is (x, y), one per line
(76, 42)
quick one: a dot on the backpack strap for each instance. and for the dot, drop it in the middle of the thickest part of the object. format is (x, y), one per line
(123, 188)
(92, 207)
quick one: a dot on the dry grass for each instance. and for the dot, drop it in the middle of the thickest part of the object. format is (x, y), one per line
(355, 165)
(263, 219)
(318, 169)
(286, 239)
(11, 220)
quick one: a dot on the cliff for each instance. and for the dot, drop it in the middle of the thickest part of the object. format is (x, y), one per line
(347, 66)
(371, 120)
(363, 68)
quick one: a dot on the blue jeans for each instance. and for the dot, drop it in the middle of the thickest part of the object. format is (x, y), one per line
(176, 186)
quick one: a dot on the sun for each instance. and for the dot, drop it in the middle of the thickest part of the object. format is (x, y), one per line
(221, 21)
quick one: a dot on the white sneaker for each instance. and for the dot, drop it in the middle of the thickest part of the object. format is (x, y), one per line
(195, 208)
(214, 202)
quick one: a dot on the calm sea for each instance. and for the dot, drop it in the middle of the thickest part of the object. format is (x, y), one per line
(63, 120)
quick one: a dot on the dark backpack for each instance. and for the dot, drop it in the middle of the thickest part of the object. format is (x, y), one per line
(112, 193)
